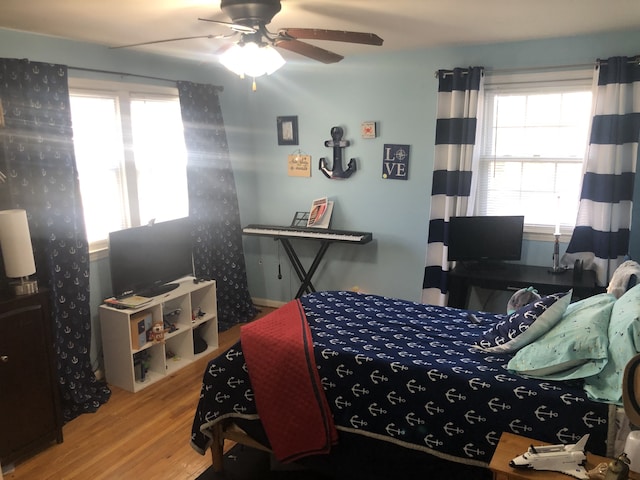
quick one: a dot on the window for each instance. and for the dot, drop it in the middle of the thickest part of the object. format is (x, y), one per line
(533, 142)
(130, 153)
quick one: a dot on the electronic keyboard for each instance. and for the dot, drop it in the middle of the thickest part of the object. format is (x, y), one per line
(309, 233)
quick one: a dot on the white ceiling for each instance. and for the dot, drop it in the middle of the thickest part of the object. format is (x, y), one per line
(403, 24)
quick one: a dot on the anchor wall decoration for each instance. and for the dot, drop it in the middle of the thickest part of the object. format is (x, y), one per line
(338, 144)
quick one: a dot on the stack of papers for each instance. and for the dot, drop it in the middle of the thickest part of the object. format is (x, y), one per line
(133, 301)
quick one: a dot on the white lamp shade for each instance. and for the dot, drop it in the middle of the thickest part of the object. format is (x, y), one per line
(251, 59)
(15, 242)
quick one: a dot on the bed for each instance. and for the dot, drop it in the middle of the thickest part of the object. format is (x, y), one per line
(420, 378)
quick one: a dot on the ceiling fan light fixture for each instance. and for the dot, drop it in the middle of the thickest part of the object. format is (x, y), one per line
(271, 59)
(252, 59)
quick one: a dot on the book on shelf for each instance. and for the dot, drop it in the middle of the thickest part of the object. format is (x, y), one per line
(140, 324)
(132, 301)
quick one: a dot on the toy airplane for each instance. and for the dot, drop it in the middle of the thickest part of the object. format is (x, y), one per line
(567, 459)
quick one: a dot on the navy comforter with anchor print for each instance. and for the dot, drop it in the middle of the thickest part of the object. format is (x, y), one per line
(408, 373)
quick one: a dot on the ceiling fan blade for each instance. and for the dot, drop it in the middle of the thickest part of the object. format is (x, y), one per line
(334, 35)
(233, 26)
(169, 40)
(311, 51)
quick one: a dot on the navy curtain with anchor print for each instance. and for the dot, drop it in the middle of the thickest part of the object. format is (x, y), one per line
(213, 203)
(37, 156)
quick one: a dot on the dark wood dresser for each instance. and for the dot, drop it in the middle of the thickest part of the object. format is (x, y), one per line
(30, 415)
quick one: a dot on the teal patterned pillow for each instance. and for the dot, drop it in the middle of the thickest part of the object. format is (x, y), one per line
(576, 347)
(525, 324)
(624, 343)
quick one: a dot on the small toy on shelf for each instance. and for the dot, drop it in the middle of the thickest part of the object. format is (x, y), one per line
(197, 313)
(169, 326)
(156, 334)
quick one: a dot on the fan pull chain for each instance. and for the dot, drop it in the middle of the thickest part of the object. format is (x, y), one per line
(254, 87)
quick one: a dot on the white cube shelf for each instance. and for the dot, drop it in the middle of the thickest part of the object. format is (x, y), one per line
(191, 307)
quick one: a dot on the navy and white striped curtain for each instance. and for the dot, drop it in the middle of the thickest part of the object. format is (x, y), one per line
(459, 101)
(601, 236)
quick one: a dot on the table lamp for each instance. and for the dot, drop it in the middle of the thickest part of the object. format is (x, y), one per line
(17, 252)
(556, 246)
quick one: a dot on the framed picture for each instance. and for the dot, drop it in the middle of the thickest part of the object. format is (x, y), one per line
(288, 130)
(395, 162)
(368, 129)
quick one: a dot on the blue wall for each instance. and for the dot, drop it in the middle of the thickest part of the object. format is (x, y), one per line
(397, 90)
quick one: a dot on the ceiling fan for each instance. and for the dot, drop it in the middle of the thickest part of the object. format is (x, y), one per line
(249, 19)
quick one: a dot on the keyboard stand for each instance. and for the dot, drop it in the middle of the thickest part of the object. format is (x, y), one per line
(304, 276)
(325, 237)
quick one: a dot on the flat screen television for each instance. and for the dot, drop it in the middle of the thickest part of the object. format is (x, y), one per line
(485, 238)
(144, 260)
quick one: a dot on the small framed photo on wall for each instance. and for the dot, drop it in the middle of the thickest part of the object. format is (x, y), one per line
(288, 130)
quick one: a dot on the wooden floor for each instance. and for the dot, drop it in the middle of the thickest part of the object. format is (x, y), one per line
(133, 436)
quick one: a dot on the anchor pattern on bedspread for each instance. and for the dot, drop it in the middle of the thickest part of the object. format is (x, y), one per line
(408, 373)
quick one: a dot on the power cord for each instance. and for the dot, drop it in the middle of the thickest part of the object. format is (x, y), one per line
(279, 269)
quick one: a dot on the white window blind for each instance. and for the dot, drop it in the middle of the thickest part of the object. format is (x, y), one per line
(533, 141)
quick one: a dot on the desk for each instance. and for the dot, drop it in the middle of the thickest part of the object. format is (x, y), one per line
(325, 236)
(513, 276)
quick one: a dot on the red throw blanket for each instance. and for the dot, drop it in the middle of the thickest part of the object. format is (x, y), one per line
(288, 392)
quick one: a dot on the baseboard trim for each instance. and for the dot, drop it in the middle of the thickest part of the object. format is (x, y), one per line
(264, 302)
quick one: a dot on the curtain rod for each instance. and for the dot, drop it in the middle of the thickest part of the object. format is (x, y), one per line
(518, 70)
(220, 88)
(598, 62)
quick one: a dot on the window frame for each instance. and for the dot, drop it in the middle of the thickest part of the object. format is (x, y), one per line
(537, 80)
(124, 92)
